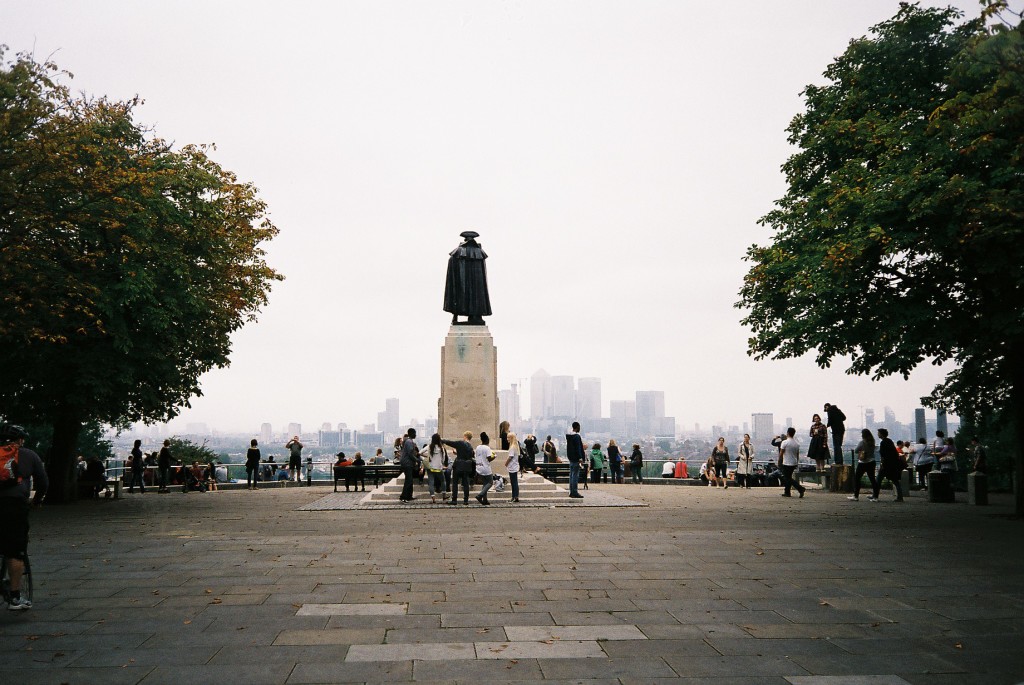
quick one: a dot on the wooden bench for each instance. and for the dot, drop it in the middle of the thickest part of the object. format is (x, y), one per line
(378, 472)
(555, 471)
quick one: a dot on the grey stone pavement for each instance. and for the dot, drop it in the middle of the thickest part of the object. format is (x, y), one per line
(699, 586)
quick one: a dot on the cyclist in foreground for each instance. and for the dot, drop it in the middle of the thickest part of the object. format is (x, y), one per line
(15, 488)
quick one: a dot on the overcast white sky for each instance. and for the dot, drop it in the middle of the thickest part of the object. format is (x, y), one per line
(613, 156)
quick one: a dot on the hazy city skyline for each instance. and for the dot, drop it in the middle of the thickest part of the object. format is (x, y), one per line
(613, 157)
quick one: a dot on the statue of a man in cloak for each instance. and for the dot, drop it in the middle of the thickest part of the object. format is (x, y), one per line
(465, 291)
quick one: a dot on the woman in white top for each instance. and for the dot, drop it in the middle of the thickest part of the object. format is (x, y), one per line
(484, 457)
(435, 458)
(512, 463)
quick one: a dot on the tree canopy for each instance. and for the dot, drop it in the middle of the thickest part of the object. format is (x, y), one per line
(898, 241)
(125, 264)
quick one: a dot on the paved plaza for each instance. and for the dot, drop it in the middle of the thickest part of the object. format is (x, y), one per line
(695, 586)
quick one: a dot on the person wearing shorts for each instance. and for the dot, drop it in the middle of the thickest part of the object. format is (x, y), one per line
(14, 505)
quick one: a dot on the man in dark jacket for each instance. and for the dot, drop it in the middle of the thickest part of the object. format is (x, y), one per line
(410, 463)
(574, 450)
(836, 417)
(463, 468)
(890, 464)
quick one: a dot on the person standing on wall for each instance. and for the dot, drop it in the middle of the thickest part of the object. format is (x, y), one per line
(836, 419)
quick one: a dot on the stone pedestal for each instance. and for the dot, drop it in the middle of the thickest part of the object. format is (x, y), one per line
(905, 481)
(841, 478)
(940, 488)
(469, 386)
(977, 488)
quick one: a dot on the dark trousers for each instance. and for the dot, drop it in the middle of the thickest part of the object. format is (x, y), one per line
(137, 478)
(894, 478)
(574, 477)
(596, 474)
(463, 478)
(788, 481)
(865, 467)
(922, 474)
(410, 472)
(513, 478)
(837, 445)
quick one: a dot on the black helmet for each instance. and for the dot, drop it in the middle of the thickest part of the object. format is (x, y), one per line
(9, 432)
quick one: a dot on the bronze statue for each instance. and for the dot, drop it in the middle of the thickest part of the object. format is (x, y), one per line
(465, 290)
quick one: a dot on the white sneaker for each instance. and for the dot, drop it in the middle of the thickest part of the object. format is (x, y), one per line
(852, 498)
(20, 604)
(872, 499)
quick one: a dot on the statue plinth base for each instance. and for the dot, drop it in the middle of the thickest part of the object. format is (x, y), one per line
(469, 384)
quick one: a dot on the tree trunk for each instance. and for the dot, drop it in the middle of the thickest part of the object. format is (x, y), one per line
(1017, 415)
(60, 463)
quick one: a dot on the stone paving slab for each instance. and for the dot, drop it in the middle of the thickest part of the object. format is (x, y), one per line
(696, 586)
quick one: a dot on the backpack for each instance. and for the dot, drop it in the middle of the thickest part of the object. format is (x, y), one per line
(9, 476)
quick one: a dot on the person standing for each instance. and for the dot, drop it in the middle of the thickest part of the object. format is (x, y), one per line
(923, 462)
(409, 460)
(818, 449)
(865, 465)
(574, 451)
(252, 463)
(836, 419)
(980, 458)
(433, 463)
(891, 466)
(463, 467)
(744, 462)
(720, 455)
(614, 461)
(14, 507)
(503, 430)
(138, 468)
(294, 448)
(636, 464)
(550, 452)
(789, 461)
(528, 457)
(163, 467)
(484, 456)
(512, 464)
(597, 462)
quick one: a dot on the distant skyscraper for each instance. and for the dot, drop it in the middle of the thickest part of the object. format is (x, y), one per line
(622, 417)
(325, 426)
(869, 418)
(588, 398)
(940, 422)
(508, 405)
(294, 429)
(764, 428)
(789, 421)
(920, 426)
(540, 395)
(650, 410)
(563, 397)
(890, 417)
(387, 420)
(265, 433)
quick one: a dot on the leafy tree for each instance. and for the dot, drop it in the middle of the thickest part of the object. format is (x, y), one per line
(899, 239)
(125, 265)
(188, 452)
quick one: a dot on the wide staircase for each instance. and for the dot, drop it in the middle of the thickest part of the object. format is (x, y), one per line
(532, 488)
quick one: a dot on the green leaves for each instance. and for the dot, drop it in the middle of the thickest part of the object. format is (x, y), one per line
(124, 265)
(899, 239)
